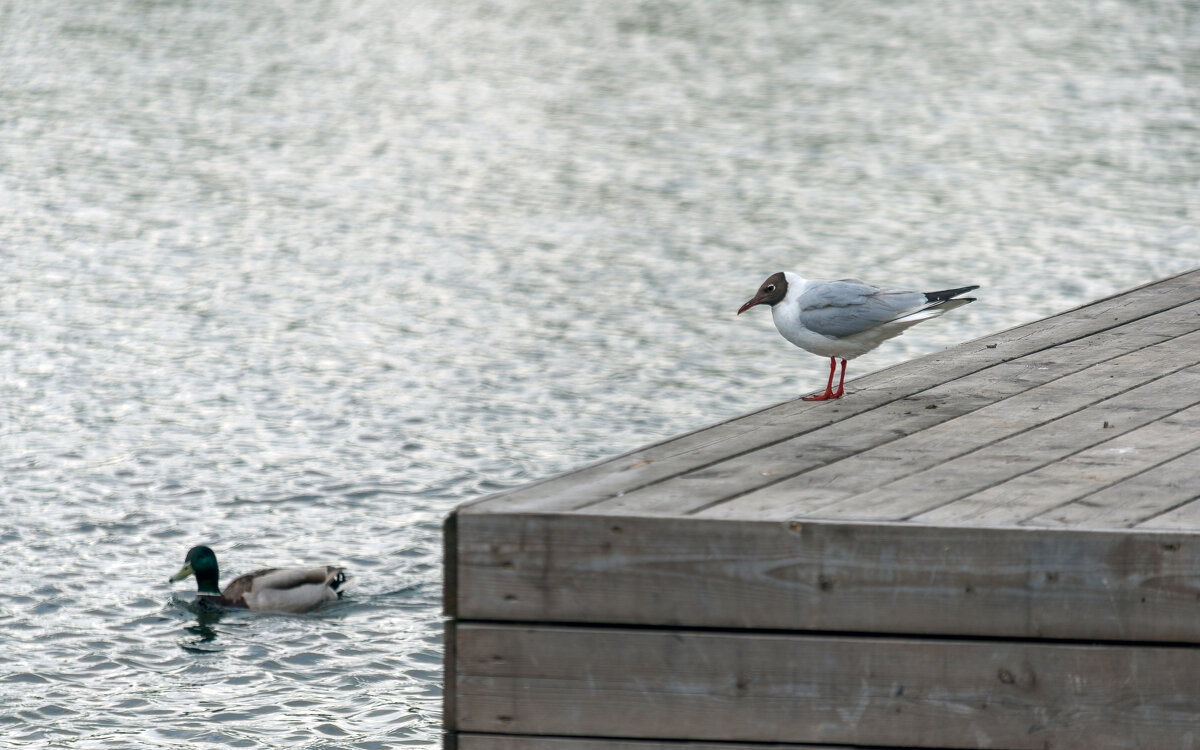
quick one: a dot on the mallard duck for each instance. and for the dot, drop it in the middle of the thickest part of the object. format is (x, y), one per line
(267, 590)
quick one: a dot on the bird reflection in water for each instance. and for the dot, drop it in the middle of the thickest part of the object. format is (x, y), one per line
(206, 616)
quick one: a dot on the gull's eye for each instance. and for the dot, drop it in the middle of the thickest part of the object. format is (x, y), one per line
(770, 287)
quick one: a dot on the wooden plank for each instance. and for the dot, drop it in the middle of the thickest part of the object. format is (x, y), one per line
(734, 437)
(1151, 493)
(898, 439)
(449, 686)
(917, 473)
(1024, 452)
(721, 686)
(449, 564)
(1076, 476)
(1186, 516)
(531, 742)
(818, 576)
(449, 604)
(833, 441)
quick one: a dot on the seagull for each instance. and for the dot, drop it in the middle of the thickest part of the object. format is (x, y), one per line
(847, 318)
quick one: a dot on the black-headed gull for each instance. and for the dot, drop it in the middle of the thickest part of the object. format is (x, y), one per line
(845, 319)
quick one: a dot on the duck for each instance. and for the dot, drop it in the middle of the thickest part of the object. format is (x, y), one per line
(845, 319)
(266, 590)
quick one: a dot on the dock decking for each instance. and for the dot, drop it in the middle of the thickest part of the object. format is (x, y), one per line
(994, 546)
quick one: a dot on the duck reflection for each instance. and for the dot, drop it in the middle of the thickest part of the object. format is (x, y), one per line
(203, 631)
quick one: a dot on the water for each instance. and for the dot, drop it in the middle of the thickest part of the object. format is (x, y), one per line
(295, 279)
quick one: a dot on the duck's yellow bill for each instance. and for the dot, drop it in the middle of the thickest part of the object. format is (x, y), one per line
(184, 572)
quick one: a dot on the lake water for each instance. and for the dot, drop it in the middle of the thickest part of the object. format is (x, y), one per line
(296, 278)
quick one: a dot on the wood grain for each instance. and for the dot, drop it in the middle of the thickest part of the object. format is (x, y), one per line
(779, 688)
(820, 576)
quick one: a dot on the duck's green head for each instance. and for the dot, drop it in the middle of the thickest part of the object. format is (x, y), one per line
(202, 563)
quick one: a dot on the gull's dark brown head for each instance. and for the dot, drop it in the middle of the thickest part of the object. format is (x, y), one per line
(770, 293)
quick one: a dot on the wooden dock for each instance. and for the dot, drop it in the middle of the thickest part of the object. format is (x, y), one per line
(995, 546)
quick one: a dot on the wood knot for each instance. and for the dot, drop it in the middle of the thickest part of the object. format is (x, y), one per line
(742, 685)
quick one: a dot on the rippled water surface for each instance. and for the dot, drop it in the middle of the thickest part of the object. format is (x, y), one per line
(296, 278)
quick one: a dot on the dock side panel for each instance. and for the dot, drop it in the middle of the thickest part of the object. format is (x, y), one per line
(894, 692)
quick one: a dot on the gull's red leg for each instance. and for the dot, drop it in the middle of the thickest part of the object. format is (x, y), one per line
(828, 394)
(841, 382)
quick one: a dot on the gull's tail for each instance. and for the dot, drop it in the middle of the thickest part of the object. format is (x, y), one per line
(949, 294)
(937, 303)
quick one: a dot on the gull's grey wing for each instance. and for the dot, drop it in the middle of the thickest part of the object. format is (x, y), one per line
(844, 308)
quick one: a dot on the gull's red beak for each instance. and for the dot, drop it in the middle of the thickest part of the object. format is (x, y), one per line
(750, 304)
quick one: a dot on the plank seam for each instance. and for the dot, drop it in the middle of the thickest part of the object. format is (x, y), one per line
(683, 744)
(839, 634)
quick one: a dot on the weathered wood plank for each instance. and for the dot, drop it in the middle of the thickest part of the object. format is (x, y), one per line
(449, 565)
(898, 439)
(833, 441)
(1152, 493)
(1028, 495)
(1024, 452)
(449, 675)
(771, 688)
(530, 742)
(701, 448)
(915, 474)
(1186, 516)
(816, 576)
